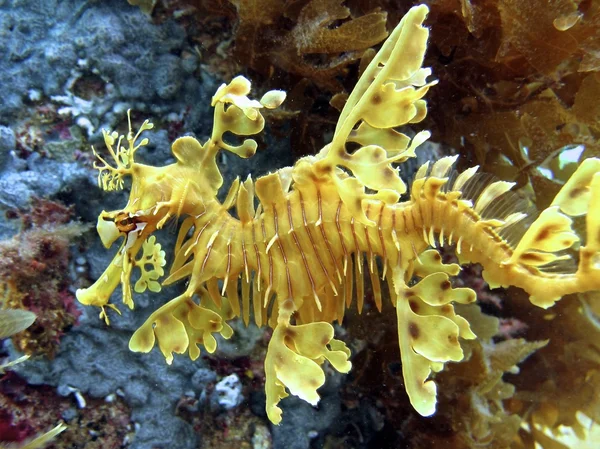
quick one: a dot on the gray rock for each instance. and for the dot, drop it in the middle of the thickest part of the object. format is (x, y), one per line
(202, 377)
(96, 361)
(302, 423)
(50, 45)
(8, 143)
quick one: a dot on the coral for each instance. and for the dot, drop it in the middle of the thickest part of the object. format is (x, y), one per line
(27, 409)
(38, 442)
(299, 257)
(33, 272)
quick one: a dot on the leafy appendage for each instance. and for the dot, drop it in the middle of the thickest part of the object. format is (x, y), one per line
(428, 332)
(388, 95)
(234, 112)
(111, 177)
(179, 326)
(155, 257)
(294, 360)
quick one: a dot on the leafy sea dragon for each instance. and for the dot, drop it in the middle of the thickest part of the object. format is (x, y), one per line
(303, 238)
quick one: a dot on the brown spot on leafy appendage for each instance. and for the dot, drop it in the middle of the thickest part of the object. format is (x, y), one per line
(445, 285)
(531, 257)
(314, 383)
(278, 356)
(236, 89)
(322, 170)
(446, 309)
(544, 233)
(414, 330)
(288, 337)
(376, 99)
(414, 305)
(577, 192)
(343, 155)
(452, 339)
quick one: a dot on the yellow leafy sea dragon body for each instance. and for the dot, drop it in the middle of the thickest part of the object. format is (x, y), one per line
(295, 254)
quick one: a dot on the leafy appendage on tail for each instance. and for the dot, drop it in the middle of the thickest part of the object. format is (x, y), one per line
(550, 240)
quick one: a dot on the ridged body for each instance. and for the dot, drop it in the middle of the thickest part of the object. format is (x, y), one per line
(306, 244)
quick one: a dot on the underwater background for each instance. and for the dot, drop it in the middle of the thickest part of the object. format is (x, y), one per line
(518, 94)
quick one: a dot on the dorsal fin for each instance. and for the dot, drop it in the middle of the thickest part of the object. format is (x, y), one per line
(245, 201)
(509, 213)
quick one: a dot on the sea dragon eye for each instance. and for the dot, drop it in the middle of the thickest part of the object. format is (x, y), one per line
(125, 223)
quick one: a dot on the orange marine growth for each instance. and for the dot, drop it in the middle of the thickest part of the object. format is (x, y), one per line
(305, 236)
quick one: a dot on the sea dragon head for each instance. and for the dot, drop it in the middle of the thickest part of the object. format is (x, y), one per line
(187, 187)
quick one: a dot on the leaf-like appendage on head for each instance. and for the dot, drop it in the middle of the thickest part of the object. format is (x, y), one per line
(154, 256)
(236, 113)
(111, 177)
